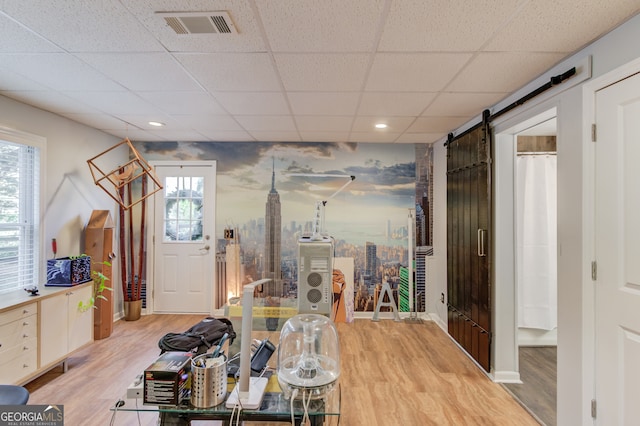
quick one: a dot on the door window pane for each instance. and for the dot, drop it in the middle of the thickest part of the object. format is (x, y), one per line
(183, 198)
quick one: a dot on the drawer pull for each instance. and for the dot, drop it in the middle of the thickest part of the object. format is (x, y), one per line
(25, 335)
(25, 348)
(25, 323)
(25, 311)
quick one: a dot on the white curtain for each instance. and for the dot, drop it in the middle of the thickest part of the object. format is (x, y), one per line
(537, 241)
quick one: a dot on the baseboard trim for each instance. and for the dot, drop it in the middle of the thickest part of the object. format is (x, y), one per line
(506, 377)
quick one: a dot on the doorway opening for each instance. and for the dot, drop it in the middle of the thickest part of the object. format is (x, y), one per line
(535, 267)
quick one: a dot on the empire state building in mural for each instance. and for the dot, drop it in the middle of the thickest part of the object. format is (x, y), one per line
(272, 244)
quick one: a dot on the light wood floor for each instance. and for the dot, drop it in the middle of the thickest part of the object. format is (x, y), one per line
(392, 373)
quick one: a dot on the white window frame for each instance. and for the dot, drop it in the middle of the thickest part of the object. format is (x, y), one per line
(23, 138)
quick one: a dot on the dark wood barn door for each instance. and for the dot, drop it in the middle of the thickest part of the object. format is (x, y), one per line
(468, 245)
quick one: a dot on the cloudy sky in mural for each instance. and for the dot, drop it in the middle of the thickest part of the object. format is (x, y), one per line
(383, 189)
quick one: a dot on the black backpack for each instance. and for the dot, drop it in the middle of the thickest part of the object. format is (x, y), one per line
(199, 338)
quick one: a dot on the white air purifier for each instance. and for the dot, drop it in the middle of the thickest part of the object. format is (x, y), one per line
(308, 357)
(315, 275)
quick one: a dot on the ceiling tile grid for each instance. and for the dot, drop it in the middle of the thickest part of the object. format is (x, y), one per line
(299, 70)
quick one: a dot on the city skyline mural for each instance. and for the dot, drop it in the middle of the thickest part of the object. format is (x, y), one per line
(370, 210)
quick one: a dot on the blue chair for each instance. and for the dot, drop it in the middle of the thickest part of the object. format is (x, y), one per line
(13, 395)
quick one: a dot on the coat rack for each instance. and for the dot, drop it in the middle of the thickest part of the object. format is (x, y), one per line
(122, 175)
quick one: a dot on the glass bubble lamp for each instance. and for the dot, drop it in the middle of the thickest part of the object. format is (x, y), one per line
(308, 356)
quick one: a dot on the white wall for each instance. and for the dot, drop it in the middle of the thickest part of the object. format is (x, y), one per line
(437, 309)
(575, 169)
(70, 195)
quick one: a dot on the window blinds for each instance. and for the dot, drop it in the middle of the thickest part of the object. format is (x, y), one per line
(19, 212)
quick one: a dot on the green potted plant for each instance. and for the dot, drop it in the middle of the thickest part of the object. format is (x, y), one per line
(99, 287)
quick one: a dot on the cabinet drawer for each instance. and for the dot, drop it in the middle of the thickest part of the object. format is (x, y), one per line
(18, 313)
(15, 332)
(13, 352)
(13, 371)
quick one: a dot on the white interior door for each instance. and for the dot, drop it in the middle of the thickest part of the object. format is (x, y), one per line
(617, 246)
(184, 238)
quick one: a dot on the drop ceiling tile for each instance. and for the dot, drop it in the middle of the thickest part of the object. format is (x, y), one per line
(443, 25)
(326, 63)
(58, 71)
(323, 103)
(115, 103)
(183, 102)
(178, 135)
(320, 26)
(89, 26)
(17, 38)
(394, 104)
(322, 72)
(462, 104)
(136, 135)
(207, 122)
(509, 71)
(275, 136)
(142, 71)
(571, 26)
(10, 80)
(420, 137)
(395, 124)
(436, 124)
(307, 123)
(231, 71)
(225, 136)
(51, 101)
(253, 103)
(248, 38)
(269, 123)
(99, 121)
(414, 72)
(141, 120)
(308, 136)
(373, 137)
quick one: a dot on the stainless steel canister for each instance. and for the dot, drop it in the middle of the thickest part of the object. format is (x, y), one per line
(208, 380)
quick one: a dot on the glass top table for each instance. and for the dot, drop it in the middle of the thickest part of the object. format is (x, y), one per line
(275, 408)
(268, 318)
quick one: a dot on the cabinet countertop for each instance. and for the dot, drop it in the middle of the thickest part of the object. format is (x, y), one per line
(17, 298)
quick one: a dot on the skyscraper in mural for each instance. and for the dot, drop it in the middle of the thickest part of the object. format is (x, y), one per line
(370, 261)
(272, 243)
(424, 194)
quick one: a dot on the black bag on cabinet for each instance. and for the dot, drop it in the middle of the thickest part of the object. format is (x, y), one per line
(199, 338)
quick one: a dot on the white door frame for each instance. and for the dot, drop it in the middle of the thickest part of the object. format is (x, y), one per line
(151, 255)
(505, 295)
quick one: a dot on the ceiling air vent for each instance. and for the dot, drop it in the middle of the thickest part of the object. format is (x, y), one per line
(184, 23)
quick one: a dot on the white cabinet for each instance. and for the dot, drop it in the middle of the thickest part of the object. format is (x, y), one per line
(18, 343)
(38, 332)
(63, 327)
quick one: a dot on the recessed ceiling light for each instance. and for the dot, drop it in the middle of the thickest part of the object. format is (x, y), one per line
(156, 123)
(381, 126)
